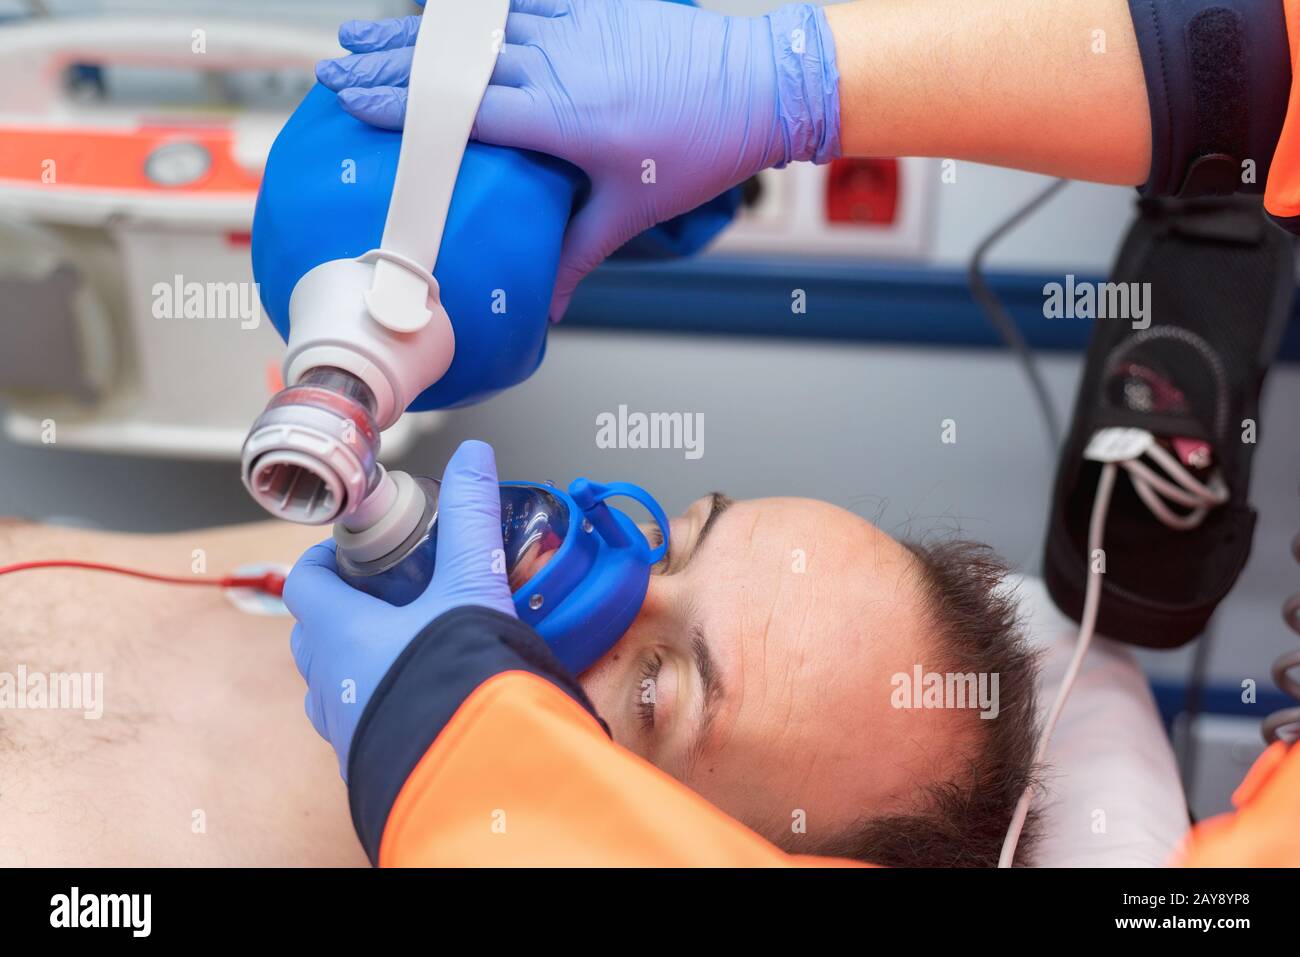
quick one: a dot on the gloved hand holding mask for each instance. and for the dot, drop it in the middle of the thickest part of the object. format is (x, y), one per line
(345, 640)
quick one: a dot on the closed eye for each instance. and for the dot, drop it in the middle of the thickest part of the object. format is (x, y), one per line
(647, 691)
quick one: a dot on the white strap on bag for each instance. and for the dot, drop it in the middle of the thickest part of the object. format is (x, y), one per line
(455, 53)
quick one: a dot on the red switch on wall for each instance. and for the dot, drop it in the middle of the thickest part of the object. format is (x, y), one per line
(862, 192)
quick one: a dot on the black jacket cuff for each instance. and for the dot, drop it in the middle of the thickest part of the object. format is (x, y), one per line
(437, 671)
(1218, 76)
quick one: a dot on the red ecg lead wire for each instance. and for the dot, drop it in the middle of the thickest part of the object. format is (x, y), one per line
(271, 583)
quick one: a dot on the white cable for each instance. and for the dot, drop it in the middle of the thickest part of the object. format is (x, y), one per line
(1162, 512)
(1218, 494)
(1192, 494)
(1139, 471)
(1189, 492)
(1091, 602)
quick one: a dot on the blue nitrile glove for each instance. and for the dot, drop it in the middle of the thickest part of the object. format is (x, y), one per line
(663, 106)
(345, 640)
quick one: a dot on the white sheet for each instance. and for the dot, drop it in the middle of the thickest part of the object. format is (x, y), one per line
(1114, 798)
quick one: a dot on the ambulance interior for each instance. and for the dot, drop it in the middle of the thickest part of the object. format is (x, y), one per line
(123, 411)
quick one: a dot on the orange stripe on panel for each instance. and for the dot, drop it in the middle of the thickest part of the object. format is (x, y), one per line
(115, 159)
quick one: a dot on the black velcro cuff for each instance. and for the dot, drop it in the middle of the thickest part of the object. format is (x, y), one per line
(1218, 76)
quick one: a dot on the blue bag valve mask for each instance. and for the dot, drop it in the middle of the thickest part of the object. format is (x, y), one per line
(345, 250)
(578, 567)
(353, 224)
(414, 270)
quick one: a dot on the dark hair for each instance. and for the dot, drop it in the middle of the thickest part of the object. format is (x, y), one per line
(961, 822)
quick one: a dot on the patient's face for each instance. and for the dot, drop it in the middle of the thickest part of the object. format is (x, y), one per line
(758, 672)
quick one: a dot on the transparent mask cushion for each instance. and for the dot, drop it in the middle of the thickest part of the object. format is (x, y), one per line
(534, 526)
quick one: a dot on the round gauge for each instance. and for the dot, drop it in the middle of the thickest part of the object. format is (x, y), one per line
(177, 164)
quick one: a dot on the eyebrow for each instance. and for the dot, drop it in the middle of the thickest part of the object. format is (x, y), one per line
(711, 686)
(705, 666)
(719, 502)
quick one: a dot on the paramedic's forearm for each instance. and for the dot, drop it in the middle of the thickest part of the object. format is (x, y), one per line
(1053, 86)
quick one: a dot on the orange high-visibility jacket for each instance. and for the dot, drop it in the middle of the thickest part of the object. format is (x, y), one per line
(478, 749)
(1282, 193)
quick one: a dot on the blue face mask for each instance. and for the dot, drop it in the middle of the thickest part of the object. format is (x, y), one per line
(578, 567)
